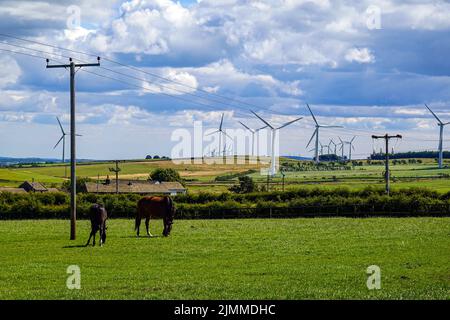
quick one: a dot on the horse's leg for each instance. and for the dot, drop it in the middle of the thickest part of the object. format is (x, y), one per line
(101, 236)
(93, 243)
(147, 222)
(89, 240)
(138, 224)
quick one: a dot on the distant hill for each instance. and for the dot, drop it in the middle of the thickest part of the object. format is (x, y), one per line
(410, 155)
(8, 161)
(296, 157)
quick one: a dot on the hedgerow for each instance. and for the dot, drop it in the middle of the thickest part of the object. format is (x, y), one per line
(340, 201)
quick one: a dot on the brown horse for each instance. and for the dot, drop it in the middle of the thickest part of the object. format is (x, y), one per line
(155, 207)
(98, 216)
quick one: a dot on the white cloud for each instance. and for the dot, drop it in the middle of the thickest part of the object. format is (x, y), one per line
(359, 55)
(9, 72)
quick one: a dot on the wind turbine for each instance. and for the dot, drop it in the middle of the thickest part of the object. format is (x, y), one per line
(221, 132)
(441, 135)
(351, 146)
(321, 148)
(332, 143)
(341, 143)
(316, 134)
(273, 131)
(63, 139)
(253, 135)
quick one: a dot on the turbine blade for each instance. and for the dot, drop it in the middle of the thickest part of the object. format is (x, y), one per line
(227, 135)
(261, 128)
(62, 130)
(246, 127)
(221, 122)
(315, 132)
(290, 122)
(62, 137)
(353, 147)
(342, 142)
(352, 139)
(212, 133)
(331, 126)
(312, 114)
(262, 120)
(433, 114)
(444, 124)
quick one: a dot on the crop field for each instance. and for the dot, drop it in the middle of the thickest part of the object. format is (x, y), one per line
(321, 258)
(202, 177)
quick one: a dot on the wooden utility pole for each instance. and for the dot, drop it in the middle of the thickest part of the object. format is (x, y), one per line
(387, 137)
(116, 170)
(73, 178)
(282, 179)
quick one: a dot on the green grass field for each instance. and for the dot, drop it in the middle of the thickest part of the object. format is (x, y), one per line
(201, 177)
(322, 258)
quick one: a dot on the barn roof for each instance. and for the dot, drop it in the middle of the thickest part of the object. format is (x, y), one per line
(35, 186)
(12, 190)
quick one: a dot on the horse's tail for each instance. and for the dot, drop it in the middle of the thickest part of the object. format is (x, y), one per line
(138, 214)
(170, 207)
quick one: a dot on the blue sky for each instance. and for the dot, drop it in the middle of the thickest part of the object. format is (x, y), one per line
(273, 55)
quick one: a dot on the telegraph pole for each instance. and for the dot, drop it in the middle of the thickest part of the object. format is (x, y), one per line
(387, 137)
(116, 170)
(73, 161)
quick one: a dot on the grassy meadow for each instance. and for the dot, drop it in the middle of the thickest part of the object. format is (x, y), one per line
(321, 258)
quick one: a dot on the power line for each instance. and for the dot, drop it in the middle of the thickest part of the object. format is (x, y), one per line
(117, 80)
(145, 72)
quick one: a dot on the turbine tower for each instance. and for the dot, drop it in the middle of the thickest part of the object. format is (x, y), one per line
(316, 134)
(253, 135)
(441, 136)
(273, 133)
(221, 132)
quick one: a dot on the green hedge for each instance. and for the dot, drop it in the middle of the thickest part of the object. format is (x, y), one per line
(299, 202)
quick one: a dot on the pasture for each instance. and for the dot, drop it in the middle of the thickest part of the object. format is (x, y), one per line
(202, 176)
(320, 258)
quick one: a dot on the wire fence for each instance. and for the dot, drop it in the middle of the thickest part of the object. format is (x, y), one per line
(352, 211)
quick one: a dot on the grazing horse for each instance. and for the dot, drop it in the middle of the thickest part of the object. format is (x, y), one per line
(98, 216)
(155, 207)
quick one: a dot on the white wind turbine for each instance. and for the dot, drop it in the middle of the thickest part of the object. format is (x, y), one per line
(316, 134)
(253, 135)
(351, 146)
(273, 133)
(221, 132)
(63, 139)
(441, 136)
(329, 146)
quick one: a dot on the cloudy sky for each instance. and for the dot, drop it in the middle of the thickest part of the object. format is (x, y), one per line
(366, 65)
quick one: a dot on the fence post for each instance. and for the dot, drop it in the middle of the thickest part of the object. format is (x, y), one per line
(270, 212)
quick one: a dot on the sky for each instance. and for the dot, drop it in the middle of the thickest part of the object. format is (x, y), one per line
(368, 66)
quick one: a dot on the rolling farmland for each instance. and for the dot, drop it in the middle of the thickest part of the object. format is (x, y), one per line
(202, 176)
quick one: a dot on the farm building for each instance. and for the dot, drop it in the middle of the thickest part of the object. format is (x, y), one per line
(136, 186)
(28, 187)
(36, 187)
(12, 190)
